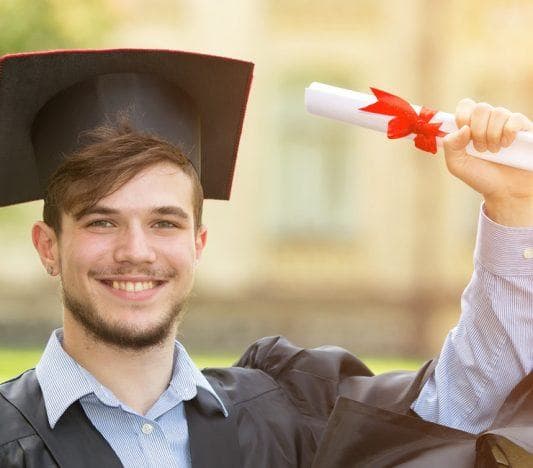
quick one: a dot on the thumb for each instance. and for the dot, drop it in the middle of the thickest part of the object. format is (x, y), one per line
(457, 141)
(454, 147)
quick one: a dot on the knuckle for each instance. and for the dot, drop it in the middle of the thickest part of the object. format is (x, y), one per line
(515, 122)
(501, 111)
(507, 129)
(482, 107)
(463, 111)
(464, 106)
(466, 102)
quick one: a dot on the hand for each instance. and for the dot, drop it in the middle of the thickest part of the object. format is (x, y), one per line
(508, 192)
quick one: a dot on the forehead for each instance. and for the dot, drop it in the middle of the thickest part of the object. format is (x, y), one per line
(163, 184)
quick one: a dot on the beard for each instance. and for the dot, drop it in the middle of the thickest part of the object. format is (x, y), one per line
(119, 335)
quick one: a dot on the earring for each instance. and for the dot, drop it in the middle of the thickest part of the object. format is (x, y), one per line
(50, 269)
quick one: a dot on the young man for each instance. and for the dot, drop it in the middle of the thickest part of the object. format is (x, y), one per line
(122, 227)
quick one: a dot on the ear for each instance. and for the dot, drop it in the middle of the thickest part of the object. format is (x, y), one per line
(199, 243)
(45, 242)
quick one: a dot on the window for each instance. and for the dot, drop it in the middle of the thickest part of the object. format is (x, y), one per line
(312, 186)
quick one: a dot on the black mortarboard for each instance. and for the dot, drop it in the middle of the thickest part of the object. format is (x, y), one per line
(194, 101)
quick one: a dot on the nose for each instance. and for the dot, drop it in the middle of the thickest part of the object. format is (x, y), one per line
(133, 246)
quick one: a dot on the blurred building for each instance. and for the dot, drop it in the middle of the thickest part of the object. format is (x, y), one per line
(334, 234)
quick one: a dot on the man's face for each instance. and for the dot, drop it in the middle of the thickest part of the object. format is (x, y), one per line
(127, 265)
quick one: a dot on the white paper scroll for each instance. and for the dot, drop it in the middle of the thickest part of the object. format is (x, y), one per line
(343, 104)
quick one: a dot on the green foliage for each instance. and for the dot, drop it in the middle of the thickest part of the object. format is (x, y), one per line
(379, 365)
(83, 23)
(27, 25)
(15, 361)
(16, 221)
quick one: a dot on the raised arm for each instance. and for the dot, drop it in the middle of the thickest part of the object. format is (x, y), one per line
(489, 351)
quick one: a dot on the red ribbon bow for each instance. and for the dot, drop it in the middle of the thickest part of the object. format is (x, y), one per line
(406, 120)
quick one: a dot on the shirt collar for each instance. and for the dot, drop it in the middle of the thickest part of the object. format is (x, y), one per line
(186, 378)
(63, 381)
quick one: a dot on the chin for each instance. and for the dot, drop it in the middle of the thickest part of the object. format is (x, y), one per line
(135, 337)
(131, 329)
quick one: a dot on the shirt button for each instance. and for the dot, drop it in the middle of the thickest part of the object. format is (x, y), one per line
(147, 428)
(528, 253)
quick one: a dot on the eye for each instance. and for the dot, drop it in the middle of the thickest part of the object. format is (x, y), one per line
(165, 224)
(101, 223)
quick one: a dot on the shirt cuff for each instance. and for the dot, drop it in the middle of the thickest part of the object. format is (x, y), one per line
(504, 250)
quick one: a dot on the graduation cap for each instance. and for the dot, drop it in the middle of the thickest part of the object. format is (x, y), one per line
(194, 101)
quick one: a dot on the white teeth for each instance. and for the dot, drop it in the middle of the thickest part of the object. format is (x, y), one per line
(131, 286)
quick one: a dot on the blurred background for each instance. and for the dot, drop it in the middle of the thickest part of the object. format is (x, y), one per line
(334, 234)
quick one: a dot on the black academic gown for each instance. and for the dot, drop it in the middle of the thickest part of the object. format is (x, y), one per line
(278, 396)
(284, 409)
(372, 425)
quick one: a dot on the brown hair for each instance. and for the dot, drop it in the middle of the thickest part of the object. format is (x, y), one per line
(113, 155)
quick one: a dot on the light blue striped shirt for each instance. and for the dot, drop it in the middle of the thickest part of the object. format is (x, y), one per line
(491, 348)
(482, 359)
(160, 438)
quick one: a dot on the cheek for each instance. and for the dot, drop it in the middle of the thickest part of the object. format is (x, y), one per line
(181, 257)
(180, 254)
(84, 254)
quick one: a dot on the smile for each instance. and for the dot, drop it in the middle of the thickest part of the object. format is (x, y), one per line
(133, 290)
(132, 286)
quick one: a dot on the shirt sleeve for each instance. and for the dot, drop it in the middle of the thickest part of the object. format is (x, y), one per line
(489, 351)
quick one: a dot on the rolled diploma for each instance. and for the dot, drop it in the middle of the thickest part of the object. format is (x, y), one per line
(343, 104)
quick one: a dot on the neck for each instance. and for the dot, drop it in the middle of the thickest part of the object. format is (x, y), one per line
(136, 377)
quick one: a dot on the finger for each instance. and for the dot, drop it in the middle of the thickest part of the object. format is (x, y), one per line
(456, 142)
(463, 112)
(454, 148)
(497, 120)
(515, 123)
(478, 125)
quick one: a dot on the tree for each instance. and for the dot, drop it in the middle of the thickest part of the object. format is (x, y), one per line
(27, 25)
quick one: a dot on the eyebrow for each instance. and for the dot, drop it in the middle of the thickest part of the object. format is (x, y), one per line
(171, 210)
(104, 210)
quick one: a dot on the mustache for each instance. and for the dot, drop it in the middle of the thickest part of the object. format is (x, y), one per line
(161, 273)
